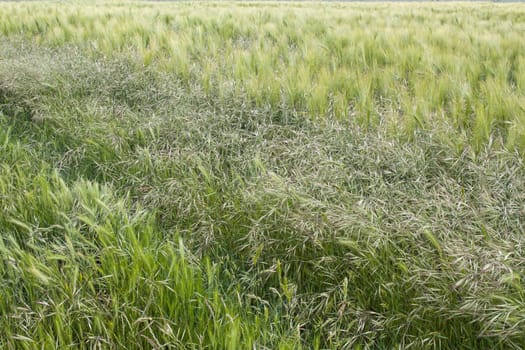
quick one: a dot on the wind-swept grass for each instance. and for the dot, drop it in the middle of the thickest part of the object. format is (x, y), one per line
(407, 66)
(143, 206)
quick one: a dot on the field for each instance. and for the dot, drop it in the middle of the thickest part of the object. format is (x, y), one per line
(262, 175)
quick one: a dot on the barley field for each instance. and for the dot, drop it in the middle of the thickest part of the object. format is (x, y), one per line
(262, 175)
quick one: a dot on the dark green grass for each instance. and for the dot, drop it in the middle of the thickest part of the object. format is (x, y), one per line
(137, 213)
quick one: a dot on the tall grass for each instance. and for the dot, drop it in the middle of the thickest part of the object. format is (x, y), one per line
(154, 193)
(397, 64)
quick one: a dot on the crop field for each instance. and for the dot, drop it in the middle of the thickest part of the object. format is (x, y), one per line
(262, 175)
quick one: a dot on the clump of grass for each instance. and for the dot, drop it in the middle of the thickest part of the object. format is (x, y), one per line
(81, 269)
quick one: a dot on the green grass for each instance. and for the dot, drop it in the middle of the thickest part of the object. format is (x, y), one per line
(403, 66)
(162, 186)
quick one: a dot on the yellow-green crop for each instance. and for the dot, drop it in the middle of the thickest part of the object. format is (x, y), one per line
(403, 66)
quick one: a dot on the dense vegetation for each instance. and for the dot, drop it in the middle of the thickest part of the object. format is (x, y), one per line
(399, 66)
(262, 175)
